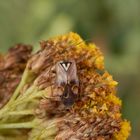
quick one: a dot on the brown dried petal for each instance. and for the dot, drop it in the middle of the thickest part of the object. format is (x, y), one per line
(12, 66)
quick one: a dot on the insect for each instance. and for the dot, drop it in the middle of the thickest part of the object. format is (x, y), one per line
(67, 81)
(66, 87)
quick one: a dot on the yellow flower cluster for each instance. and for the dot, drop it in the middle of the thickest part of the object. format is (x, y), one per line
(99, 89)
(94, 114)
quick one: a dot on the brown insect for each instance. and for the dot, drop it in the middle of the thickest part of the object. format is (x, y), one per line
(67, 81)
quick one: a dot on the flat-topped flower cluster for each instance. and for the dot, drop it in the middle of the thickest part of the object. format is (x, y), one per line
(94, 116)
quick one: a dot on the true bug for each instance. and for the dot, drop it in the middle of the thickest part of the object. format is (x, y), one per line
(67, 87)
(64, 78)
(67, 81)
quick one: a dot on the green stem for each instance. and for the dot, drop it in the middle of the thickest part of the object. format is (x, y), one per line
(20, 86)
(16, 93)
(29, 97)
(17, 125)
(25, 96)
(13, 105)
(45, 131)
(23, 112)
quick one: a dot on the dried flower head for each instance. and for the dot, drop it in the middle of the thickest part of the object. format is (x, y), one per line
(93, 115)
(96, 114)
(12, 66)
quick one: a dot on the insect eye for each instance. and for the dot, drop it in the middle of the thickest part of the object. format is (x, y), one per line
(75, 89)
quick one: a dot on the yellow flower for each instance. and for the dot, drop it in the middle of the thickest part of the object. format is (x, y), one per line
(124, 131)
(96, 114)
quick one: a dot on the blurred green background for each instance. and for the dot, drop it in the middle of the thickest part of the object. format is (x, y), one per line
(114, 25)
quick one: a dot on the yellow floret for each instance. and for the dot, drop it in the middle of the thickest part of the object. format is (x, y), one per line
(124, 132)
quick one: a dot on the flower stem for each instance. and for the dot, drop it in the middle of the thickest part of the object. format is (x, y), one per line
(20, 86)
(23, 112)
(17, 125)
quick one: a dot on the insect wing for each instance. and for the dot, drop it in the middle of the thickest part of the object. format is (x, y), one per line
(72, 74)
(61, 74)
